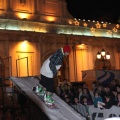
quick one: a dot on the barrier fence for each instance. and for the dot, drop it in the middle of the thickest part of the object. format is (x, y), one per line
(98, 113)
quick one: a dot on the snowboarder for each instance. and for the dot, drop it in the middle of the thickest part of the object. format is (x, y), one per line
(49, 70)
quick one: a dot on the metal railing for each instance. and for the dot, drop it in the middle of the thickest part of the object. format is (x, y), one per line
(26, 64)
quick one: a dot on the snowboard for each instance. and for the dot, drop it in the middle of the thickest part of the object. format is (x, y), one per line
(53, 106)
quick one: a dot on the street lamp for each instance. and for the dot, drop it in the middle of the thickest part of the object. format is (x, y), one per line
(103, 56)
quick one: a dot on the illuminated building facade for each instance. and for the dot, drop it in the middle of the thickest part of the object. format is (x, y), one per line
(31, 30)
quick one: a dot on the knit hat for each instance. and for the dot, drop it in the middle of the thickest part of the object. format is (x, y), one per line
(66, 49)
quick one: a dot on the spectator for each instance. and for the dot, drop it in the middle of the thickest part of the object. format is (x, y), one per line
(66, 91)
(86, 93)
(100, 90)
(97, 98)
(108, 102)
(84, 102)
(113, 84)
(67, 100)
(82, 108)
(58, 91)
(85, 85)
(115, 96)
(78, 93)
(76, 101)
(107, 92)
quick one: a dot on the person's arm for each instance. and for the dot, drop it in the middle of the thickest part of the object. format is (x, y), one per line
(56, 59)
(53, 67)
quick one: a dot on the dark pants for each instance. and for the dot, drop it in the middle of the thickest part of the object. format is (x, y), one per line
(48, 83)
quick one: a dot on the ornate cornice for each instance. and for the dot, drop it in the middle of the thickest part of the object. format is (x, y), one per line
(20, 25)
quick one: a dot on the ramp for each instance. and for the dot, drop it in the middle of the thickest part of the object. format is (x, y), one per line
(65, 112)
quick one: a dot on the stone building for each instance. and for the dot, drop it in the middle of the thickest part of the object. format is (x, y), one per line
(31, 30)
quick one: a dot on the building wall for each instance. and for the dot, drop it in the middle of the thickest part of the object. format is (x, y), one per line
(45, 24)
(37, 10)
(26, 57)
(38, 51)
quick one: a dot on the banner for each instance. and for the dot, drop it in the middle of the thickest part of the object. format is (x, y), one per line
(101, 114)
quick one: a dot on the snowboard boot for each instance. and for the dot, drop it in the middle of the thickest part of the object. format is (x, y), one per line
(48, 98)
(40, 90)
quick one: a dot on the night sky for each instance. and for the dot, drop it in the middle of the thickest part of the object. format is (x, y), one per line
(99, 10)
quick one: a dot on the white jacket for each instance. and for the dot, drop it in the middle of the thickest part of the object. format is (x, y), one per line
(45, 69)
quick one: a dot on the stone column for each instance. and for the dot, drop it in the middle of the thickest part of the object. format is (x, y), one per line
(36, 13)
(8, 5)
(35, 6)
(9, 12)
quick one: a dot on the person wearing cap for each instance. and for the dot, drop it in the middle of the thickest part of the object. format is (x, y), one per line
(49, 70)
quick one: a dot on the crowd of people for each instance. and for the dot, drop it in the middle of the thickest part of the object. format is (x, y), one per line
(79, 96)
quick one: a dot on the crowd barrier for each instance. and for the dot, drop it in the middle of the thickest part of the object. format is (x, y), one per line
(97, 113)
(101, 114)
